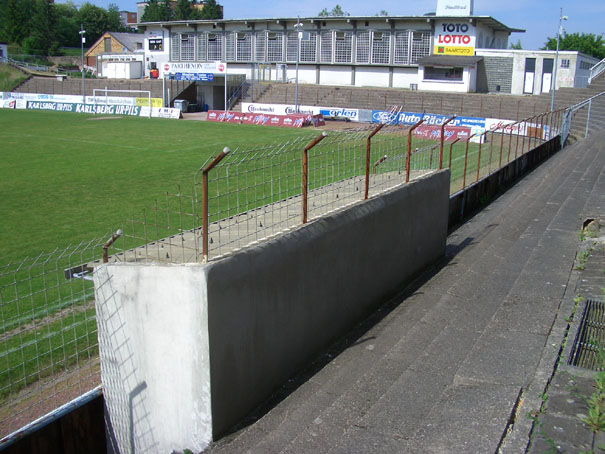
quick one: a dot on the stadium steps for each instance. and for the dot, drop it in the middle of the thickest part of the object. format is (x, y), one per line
(482, 105)
(390, 386)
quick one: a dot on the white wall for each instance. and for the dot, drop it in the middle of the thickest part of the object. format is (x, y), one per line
(463, 86)
(403, 77)
(371, 77)
(334, 75)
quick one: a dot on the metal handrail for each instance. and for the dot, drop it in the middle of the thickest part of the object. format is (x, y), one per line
(236, 94)
(581, 104)
(596, 70)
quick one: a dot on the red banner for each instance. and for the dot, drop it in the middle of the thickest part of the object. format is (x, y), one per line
(288, 121)
(450, 132)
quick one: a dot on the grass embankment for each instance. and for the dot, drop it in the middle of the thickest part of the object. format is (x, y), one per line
(10, 77)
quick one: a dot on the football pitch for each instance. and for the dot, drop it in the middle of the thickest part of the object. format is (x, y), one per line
(66, 178)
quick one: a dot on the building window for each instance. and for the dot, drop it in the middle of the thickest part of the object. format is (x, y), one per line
(155, 44)
(261, 41)
(441, 74)
(565, 63)
(325, 54)
(343, 47)
(175, 54)
(215, 47)
(201, 46)
(421, 46)
(275, 49)
(107, 43)
(402, 48)
(139, 46)
(363, 47)
(187, 47)
(243, 47)
(380, 47)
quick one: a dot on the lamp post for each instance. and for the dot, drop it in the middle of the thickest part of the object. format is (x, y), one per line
(554, 82)
(82, 40)
(298, 32)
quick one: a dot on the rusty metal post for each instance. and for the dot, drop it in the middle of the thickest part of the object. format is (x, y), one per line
(481, 137)
(305, 174)
(517, 141)
(442, 139)
(110, 241)
(491, 152)
(368, 148)
(501, 147)
(409, 156)
(524, 124)
(205, 215)
(510, 141)
(466, 161)
(451, 146)
(542, 135)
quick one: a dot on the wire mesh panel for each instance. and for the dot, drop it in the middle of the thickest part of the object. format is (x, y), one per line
(48, 335)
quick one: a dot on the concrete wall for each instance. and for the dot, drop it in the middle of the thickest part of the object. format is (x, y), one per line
(188, 350)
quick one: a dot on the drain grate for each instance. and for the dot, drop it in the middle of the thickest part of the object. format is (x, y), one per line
(589, 346)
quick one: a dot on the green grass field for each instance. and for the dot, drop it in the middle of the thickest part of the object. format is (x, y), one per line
(67, 177)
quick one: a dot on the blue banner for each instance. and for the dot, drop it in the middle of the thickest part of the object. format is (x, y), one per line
(204, 77)
(410, 118)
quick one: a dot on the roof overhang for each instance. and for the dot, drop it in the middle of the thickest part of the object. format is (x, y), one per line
(448, 60)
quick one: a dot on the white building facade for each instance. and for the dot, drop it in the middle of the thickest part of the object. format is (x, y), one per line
(346, 51)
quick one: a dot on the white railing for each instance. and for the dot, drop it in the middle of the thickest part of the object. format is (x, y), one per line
(596, 70)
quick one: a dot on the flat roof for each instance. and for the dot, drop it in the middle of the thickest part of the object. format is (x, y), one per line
(486, 20)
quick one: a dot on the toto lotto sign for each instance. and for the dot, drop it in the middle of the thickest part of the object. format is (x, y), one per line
(454, 38)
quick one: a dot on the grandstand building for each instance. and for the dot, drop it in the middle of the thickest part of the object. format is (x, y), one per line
(451, 50)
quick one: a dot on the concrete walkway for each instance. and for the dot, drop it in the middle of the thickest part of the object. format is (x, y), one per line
(457, 362)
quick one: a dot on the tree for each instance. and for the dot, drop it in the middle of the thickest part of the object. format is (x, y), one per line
(337, 11)
(516, 45)
(114, 23)
(211, 10)
(16, 15)
(66, 25)
(383, 12)
(157, 11)
(41, 39)
(94, 20)
(184, 10)
(587, 43)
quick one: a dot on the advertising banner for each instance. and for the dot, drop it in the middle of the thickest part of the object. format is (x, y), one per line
(287, 109)
(204, 77)
(103, 109)
(289, 121)
(214, 67)
(13, 103)
(450, 133)
(454, 38)
(155, 102)
(410, 118)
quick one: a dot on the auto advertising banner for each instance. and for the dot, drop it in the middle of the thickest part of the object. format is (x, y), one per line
(288, 121)
(450, 133)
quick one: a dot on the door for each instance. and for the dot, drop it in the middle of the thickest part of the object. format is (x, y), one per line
(547, 66)
(530, 73)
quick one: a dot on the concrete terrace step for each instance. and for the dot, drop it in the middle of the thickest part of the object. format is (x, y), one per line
(442, 370)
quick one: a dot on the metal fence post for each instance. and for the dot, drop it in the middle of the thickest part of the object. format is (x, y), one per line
(588, 118)
(442, 138)
(501, 146)
(466, 161)
(481, 137)
(305, 175)
(205, 216)
(451, 146)
(368, 149)
(408, 158)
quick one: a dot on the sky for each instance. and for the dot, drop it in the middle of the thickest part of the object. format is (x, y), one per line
(540, 18)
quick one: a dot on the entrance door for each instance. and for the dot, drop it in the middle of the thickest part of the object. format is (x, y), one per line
(547, 66)
(530, 72)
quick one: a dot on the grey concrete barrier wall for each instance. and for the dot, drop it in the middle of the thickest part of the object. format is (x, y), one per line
(187, 351)
(468, 201)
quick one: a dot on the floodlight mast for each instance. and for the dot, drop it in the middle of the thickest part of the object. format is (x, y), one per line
(554, 84)
(82, 40)
(298, 32)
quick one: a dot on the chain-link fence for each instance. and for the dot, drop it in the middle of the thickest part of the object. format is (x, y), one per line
(48, 337)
